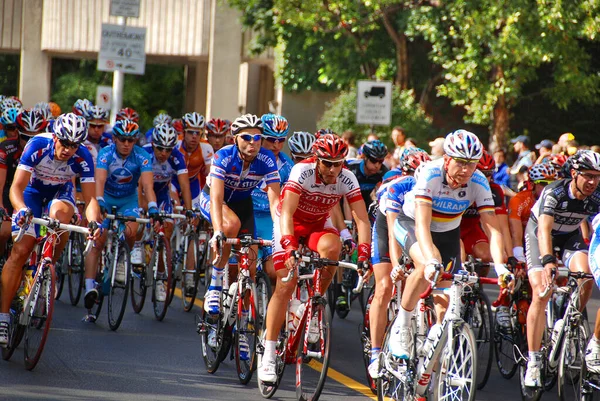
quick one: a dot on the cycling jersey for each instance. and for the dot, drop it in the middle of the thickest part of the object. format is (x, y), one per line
(519, 207)
(227, 166)
(448, 205)
(367, 183)
(48, 175)
(391, 195)
(557, 200)
(259, 195)
(9, 159)
(392, 174)
(198, 161)
(164, 172)
(317, 198)
(123, 174)
(471, 219)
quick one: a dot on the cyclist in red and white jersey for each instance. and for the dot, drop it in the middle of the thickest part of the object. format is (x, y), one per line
(314, 188)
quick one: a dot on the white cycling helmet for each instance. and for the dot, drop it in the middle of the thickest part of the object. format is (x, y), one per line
(542, 172)
(245, 122)
(301, 142)
(463, 144)
(71, 127)
(193, 120)
(162, 118)
(164, 135)
(585, 160)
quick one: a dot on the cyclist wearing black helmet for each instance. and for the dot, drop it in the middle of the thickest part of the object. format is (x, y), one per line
(369, 170)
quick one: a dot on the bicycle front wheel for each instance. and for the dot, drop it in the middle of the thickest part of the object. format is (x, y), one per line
(570, 362)
(39, 314)
(481, 321)
(505, 340)
(162, 252)
(138, 287)
(59, 270)
(76, 267)
(314, 349)
(458, 368)
(245, 334)
(189, 292)
(117, 297)
(263, 295)
(16, 332)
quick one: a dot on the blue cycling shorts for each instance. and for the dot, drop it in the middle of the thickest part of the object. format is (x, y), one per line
(264, 230)
(126, 206)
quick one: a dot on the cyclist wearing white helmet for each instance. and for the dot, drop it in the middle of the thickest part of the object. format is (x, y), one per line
(197, 154)
(97, 118)
(167, 164)
(43, 183)
(300, 144)
(428, 224)
(554, 222)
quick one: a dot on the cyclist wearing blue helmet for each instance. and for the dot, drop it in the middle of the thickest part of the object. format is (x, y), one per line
(370, 169)
(9, 123)
(120, 167)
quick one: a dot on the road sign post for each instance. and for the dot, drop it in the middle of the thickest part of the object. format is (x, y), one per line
(374, 103)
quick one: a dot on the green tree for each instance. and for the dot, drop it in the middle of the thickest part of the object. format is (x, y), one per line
(9, 78)
(489, 50)
(406, 112)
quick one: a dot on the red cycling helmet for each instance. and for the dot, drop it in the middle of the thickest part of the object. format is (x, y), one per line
(557, 160)
(486, 163)
(128, 114)
(216, 126)
(178, 125)
(330, 147)
(411, 160)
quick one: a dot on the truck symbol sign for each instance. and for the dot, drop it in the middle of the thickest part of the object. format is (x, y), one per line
(376, 91)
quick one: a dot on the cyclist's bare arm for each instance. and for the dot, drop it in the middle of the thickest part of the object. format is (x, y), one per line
(586, 232)
(337, 218)
(289, 204)
(273, 191)
(186, 193)
(504, 229)
(516, 232)
(544, 232)
(92, 211)
(100, 178)
(3, 173)
(217, 192)
(147, 183)
(359, 212)
(17, 189)
(423, 212)
(489, 221)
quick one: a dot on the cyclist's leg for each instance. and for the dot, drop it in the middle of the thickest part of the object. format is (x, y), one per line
(575, 257)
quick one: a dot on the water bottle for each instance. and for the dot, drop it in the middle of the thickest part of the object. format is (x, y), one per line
(297, 309)
(434, 334)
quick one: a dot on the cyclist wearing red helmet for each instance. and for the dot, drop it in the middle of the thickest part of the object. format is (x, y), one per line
(216, 132)
(314, 188)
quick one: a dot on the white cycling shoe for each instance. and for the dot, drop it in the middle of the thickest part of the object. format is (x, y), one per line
(592, 356)
(161, 293)
(401, 342)
(267, 371)
(533, 376)
(212, 302)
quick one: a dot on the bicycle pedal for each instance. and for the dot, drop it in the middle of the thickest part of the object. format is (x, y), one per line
(89, 318)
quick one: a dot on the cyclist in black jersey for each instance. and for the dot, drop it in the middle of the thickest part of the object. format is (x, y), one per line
(369, 170)
(554, 222)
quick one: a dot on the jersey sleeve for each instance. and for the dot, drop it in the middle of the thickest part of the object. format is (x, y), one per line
(483, 197)
(178, 162)
(3, 159)
(32, 155)
(427, 180)
(396, 192)
(85, 165)
(144, 160)
(218, 168)
(103, 158)
(270, 169)
(498, 195)
(548, 202)
(350, 187)
(296, 178)
(514, 207)
(207, 153)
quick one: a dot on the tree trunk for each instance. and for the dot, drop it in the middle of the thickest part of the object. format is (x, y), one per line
(500, 119)
(401, 44)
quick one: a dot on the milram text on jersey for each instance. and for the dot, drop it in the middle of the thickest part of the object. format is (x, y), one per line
(227, 166)
(49, 174)
(447, 204)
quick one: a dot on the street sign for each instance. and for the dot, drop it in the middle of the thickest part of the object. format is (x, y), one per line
(122, 48)
(374, 103)
(125, 8)
(104, 96)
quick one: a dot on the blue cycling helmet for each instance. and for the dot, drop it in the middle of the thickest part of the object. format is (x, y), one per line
(275, 126)
(9, 116)
(126, 128)
(375, 149)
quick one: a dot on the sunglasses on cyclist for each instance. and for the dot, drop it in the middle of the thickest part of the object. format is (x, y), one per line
(300, 157)
(215, 136)
(329, 164)
(68, 144)
(193, 133)
(589, 176)
(127, 139)
(10, 127)
(96, 125)
(162, 148)
(465, 162)
(248, 137)
(274, 140)
(376, 161)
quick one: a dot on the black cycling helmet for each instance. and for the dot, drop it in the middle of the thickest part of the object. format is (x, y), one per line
(375, 150)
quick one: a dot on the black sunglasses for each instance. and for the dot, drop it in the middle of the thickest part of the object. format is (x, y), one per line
(162, 148)
(97, 125)
(274, 140)
(248, 137)
(330, 164)
(68, 144)
(128, 139)
(10, 127)
(376, 161)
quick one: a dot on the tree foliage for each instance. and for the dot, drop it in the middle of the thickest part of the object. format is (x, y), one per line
(341, 116)
(9, 78)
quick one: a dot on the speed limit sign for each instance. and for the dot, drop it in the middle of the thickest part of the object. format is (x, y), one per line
(122, 48)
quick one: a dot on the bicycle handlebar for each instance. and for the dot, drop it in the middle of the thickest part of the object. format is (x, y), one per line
(54, 224)
(461, 277)
(562, 272)
(244, 241)
(127, 218)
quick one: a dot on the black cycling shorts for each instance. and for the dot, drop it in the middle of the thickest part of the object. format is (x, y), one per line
(568, 243)
(380, 249)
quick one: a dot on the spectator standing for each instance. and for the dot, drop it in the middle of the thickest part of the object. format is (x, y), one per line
(545, 149)
(524, 161)
(437, 148)
(349, 138)
(501, 176)
(399, 139)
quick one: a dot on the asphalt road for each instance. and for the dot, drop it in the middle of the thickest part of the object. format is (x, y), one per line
(150, 360)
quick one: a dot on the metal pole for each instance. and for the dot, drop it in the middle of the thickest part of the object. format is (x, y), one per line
(118, 81)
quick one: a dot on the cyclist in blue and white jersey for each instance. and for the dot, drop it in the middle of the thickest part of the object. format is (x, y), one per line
(300, 144)
(385, 250)
(97, 118)
(168, 164)
(120, 167)
(275, 130)
(226, 200)
(428, 225)
(161, 118)
(43, 182)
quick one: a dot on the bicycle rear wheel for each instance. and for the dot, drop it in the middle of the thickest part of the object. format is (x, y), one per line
(213, 350)
(267, 390)
(314, 350)
(481, 321)
(504, 346)
(571, 360)
(117, 296)
(138, 287)
(457, 375)
(162, 252)
(527, 393)
(189, 294)
(39, 310)
(60, 270)
(246, 325)
(365, 339)
(76, 270)
(389, 386)
(94, 312)
(16, 332)
(263, 295)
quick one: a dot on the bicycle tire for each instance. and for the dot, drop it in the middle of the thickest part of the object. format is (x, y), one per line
(138, 287)
(161, 307)
(177, 264)
(59, 269)
(527, 393)
(76, 267)
(268, 390)
(481, 321)
(263, 296)
(458, 360)
(212, 355)
(365, 340)
(246, 326)
(117, 296)
(586, 391)
(16, 333)
(193, 250)
(94, 312)
(504, 345)
(389, 387)
(570, 362)
(304, 373)
(40, 315)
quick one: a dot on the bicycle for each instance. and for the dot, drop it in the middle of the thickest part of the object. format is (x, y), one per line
(310, 343)
(453, 345)
(32, 309)
(147, 275)
(114, 262)
(239, 313)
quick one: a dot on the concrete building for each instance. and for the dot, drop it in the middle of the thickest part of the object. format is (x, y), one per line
(222, 80)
